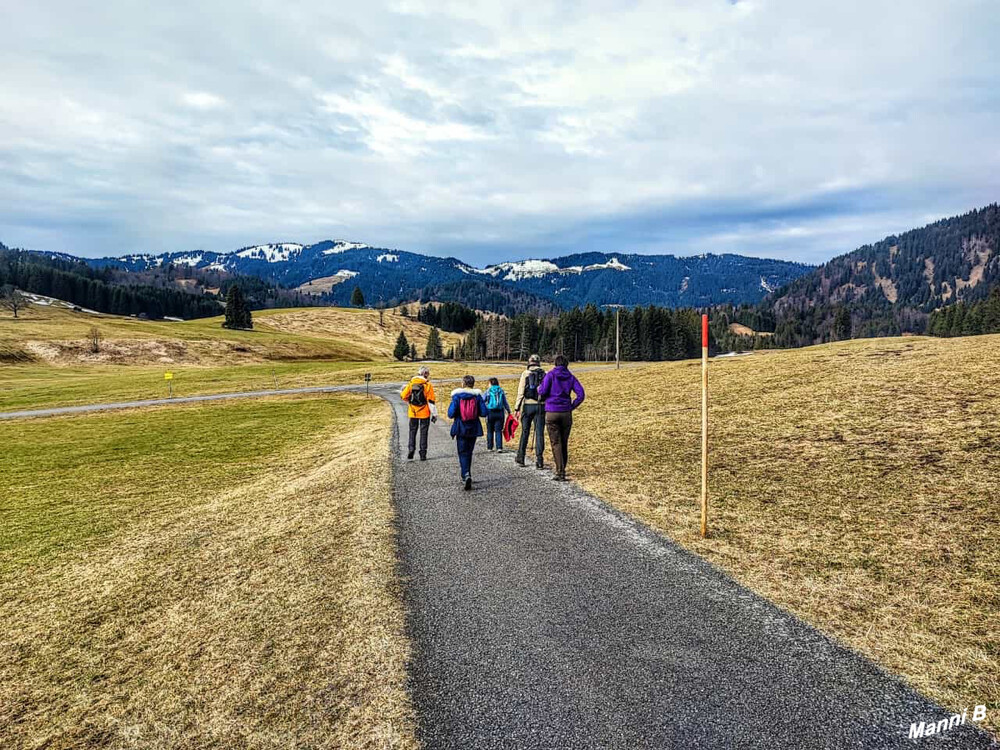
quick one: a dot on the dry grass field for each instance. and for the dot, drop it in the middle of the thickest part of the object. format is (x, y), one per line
(212, 576)
(359, 327)
(60, 337)
(46, 357)
(855, 484)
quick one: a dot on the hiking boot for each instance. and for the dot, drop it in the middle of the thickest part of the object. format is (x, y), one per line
(409, 456)
(423, 456)
(560, 478)
(468, 482)
(539, 464)
(519, 460)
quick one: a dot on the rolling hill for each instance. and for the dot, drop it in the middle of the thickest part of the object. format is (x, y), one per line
(54, 334)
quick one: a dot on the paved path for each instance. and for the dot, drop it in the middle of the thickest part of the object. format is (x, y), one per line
(542, 618)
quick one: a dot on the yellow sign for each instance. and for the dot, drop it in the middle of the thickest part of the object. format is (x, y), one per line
(168, 376)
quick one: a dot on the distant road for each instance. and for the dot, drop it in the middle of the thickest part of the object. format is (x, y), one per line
(59, 410)
(87, 408)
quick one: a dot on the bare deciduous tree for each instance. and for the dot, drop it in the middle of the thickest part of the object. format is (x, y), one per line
(94, 337)
(12, 299)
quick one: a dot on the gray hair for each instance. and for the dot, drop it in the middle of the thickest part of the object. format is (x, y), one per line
(424, 372)
(534, 359)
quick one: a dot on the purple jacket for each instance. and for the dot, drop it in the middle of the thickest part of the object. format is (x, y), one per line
(556, 387)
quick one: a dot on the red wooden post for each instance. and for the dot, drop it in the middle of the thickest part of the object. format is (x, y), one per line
(704, 426)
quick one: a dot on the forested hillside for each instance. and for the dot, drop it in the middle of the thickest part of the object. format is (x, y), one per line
(79, 284)
(890, 287)
(158, 291)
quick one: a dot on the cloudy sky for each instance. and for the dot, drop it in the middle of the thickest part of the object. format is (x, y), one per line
(489, 131)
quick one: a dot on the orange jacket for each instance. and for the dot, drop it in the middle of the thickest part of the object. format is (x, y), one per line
(419, 412)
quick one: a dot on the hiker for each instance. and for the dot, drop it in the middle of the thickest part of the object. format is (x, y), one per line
(555, 391)
(497, 410)
(466, 407)
(530, 410)
(419, 394)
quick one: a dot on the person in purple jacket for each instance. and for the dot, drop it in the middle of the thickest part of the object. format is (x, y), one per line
(557, 386)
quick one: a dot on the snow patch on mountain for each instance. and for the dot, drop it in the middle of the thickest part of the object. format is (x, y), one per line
(279, 253)
(342, 245)
(765, 286)
(345, 274)
(533, 269)
(192, 260)
(388, 258)
(522, 269)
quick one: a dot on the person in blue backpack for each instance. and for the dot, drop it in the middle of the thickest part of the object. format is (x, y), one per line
(466, 409)
(497, 410)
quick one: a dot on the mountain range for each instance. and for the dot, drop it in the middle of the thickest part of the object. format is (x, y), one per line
(392, 276)
(885, 288)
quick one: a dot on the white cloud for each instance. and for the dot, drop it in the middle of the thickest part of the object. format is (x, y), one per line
(202, 100)
(774, 127)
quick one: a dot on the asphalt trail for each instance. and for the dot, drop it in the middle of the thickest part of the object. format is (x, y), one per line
(543, 618)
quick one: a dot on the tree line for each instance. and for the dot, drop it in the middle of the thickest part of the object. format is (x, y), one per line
(649, 334)
(448, 316)
(967, 318)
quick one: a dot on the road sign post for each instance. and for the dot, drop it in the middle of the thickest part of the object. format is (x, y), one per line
(169, 377)
(704, 426)
(368, 379)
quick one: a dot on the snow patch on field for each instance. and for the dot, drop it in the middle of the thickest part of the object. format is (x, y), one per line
(44, 301)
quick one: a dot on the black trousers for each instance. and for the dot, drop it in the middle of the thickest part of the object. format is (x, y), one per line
(559, 424)
(532, 415)
(423, 425)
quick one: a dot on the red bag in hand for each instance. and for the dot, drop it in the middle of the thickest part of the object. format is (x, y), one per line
(509, 428)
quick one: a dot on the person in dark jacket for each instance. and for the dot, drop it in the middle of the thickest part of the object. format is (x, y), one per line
(497, 410)
(530, 411)
(556, 390)
(466, 402)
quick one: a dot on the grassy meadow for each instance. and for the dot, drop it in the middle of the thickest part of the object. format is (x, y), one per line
(45, 358)
(855, 484)
(208, 576)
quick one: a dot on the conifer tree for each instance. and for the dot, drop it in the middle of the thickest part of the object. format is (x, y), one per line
(434, 349)
(402, 347)
(237, 312)
(842, 324)
(413, 352)
(357, 297)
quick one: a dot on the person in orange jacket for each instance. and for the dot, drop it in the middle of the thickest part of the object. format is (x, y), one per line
(419, 394)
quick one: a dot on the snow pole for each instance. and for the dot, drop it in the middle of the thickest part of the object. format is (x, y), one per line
(704, 426)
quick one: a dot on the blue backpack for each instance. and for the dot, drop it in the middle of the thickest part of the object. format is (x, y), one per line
(494, 397)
